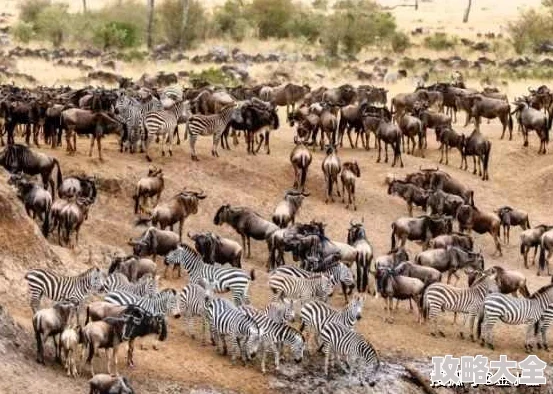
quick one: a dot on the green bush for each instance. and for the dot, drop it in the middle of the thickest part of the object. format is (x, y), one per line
(29, 9)
(53, 23)
(532, 27)
(117, 34)
(307, 24)
(23, 32)
(231, 20)
(171, 23)
(271, 17)
(213, 76)
(400, 42)
(440, 41)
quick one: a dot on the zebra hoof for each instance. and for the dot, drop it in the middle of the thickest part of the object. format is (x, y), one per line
(441, 334)
(461, 335)
(149, 158)
(538, 345)
(433, 334)
(163, 154)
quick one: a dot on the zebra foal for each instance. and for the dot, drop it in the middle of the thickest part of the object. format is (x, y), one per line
(302, 289)
(541, 327)
(209, 125)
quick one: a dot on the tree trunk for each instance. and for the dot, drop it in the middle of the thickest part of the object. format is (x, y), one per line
(150, 22)
(467, 12)
(185, 4)
(84, 5)
(416, 5)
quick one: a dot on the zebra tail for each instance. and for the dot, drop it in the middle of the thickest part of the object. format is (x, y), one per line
(422, 304)
(186, 130)
(480, 320)
(252, 274)
(542, 258)
(393, 238)
(522, 248)
(87, 315)
(536, 327)
(90, 352)
(38, 337)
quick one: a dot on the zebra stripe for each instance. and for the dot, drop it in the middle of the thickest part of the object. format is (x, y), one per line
(224, 279)
(511, 310)
(161, 303)
(275, 336)
(280, 312)
(342, 341)
(131, 113)
(338, 273)
(440, 297)
(302, 289)
(227, 320)
(162, 124)
(209, 125)
(119, 282)
(192, 304)
(58, 288)
(543, 325)
(315, 315)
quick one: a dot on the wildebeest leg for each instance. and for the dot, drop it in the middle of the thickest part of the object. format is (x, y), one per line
(379, 148)
(442, 149)
(386, 151)
(534, 256)
(474, 165)
(337, 188)
(261, 139)
(350, 140)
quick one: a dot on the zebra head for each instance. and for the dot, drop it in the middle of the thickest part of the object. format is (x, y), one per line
(253, 342)
(355, 307)
(96, 279)
(297, 345)
(325, 287)
(288, 313)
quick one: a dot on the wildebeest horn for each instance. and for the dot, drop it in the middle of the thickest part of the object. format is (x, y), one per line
(189, 235)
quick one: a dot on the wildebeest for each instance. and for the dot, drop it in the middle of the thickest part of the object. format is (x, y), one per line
(78, 186)
(546, 244)
(411, 127)
(256, 118)
(512, 217)
(154, 242)
(440, 180)
(450, 260)
(351, 117)
(393, 285)
(509, 281)
(285, 95)
(471, 218)
(460, 240)
(449, 138)
(177, 209)
(328, 123)
(442, 203)
(533, 119)
(331, 167)
(109, 384)
(478, 146)
(216, 249)
(132, 267)
(403, 102)
(341, 96)
(246, 222)
(286, 210)
(427, 275)
(350, 171)
(358, 239)
(490, 108)
(390, 134)
(50, 322)
(412, 194)
(300, 157)
(36, 199)
(422, 228)
(531, 238)
(71, 218)
(19, 158)
(70, 339)
(147, 188)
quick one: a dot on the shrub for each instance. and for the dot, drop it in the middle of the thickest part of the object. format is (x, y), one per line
(271, 17)
(23, 32)
(29, 9)
(213, 76)
(231, 19)
(440, 41)
(531, 27)
(117, 34)
(170, 15)
(400, 42)
(53, 23)
(307, 24)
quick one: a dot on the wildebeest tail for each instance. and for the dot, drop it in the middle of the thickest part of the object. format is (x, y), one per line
(397, 145)
(486, 158)
(480, 320)
(522, 248)
(510, 122)
(38, 338)
(135, 198)
(548, 127)
(542, 258)
(303, 176)
(59, 177)
(393, 238)
(90, 352)
(46, 223)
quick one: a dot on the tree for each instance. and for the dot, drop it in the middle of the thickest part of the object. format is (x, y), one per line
(150, 22)
(185, 5)
(84, 5)
(467, 12)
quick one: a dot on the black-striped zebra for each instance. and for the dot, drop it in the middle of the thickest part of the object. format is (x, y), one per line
(224, 279)
(192, 304)
(440, 297)
(228, 321)
(162, 123)
(280, 311)
(119, 282)
(130, 112)
(343, 342)
(161, 303)
(338, 273)
(315, 315)
(209, 125)
(58, 288)
(275, 336)
(514, 311)
(541, 327)
(302, 289)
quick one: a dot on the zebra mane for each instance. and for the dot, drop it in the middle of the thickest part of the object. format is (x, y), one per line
(542, 290)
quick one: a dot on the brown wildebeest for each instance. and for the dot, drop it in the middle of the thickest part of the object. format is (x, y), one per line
(449, 138)
(300, 157)
(411, 127)
(331, 168)
(512, 217)
(546, 244)
(284, 95)
(404, 102)
(471, 218)
(328, 122)
(440, 180)
(412, 194)
(477, 145)
(422, 229)
(341, 96)
(350, 171)
(531, 238)
(509, 281)
(391, 135)
(533, 119)
(80, 121)
(454, 239)
(148, 187)
(490, 108)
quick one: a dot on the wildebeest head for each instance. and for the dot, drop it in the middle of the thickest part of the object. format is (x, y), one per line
(145, 245)
(138, 322)
(356, 232)
(190, 200)
(295, 197)
(205, 245)
(441, 225)
(222, 215)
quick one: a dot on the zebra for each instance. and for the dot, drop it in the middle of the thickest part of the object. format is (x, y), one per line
(542, 325)
(302, 289)
(208, 125)
(338, 273)
(131, 112)
(280, 312)
(512, 310)
(342, 341)
(59, 288)
(162, 123)
(119, 282)
(317, 314)
(275, 336)
(161, 303)
(227, 320)
(224, 279)
(192, 304)
(440, 297)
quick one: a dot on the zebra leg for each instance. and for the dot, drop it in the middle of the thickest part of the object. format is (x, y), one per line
(216, 138)
(529, 334)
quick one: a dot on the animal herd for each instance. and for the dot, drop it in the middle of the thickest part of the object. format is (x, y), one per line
(128, 301)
